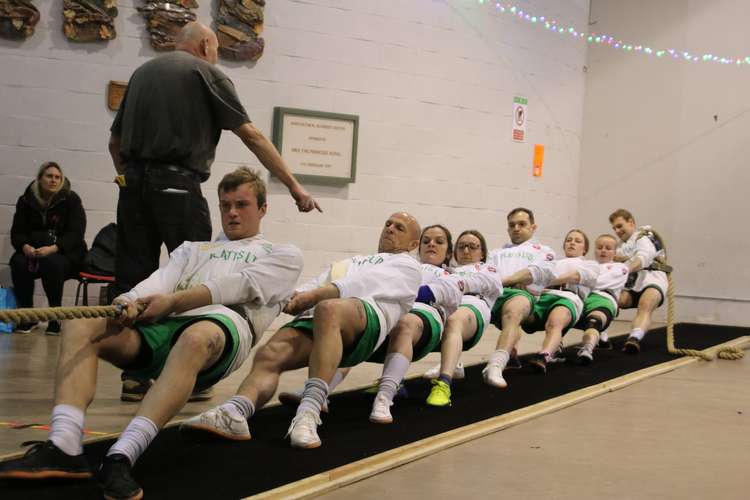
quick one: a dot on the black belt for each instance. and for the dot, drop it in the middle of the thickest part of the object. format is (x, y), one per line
(149, 165)
(175, 169)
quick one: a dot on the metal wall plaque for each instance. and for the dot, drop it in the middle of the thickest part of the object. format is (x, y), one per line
(317, 146)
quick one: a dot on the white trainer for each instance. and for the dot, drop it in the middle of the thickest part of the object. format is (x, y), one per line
(293, 398)
(493, 375)
(381, 410)
(303, 431)
(458, 374)
(221, 422)
(585, 354)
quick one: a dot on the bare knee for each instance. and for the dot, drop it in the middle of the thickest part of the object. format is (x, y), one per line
(513, 315)
(197, 342)
(408, 326)
(326, 310)
(558, 319)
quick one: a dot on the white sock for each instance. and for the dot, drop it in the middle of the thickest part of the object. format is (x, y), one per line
(603, 337)
(137, 436)
(314, 396)
(500, 357)
(637, 333)
(66, 429)
(239, 406)
(338, 377)
(394, 370)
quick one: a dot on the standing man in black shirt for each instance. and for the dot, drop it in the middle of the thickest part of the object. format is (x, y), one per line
(163, 142)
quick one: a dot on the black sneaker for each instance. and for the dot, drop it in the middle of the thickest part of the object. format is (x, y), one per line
(25, 327)
(115, 476)
(45, 460)
(604, 345)
(632, 346)
(53, 328)
(514, 362)
(539, 363)
(134, 389)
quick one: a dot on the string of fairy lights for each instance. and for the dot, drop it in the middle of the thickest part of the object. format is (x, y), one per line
(607, 40)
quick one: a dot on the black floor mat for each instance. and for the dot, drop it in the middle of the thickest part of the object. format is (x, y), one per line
(189, 466)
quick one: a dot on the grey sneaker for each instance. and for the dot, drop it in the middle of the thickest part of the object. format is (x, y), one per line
(220, 422)
(303, 430)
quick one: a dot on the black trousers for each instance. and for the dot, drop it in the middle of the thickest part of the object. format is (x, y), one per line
(155, 207)
(53, 270)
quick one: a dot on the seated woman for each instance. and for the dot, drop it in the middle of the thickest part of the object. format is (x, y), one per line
(47, 233)
(419, 332)
(567, 282)
(464, 328)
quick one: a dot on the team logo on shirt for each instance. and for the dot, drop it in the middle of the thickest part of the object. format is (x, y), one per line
(536, 246)
(550, 257)
(491, 269)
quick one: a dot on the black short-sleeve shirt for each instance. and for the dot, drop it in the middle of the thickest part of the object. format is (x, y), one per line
(174, 110)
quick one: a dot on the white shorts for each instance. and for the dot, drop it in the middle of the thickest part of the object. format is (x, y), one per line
(436, 319)
(653, 279)
(478, 304)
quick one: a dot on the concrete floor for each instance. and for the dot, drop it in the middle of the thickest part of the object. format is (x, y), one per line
(679, 435)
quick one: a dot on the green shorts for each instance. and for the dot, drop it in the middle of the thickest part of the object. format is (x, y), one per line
(432, 332)
(474, 340)
(364, 347)
(595, 301)
(497, 308)
(159, 337)
(543, 307)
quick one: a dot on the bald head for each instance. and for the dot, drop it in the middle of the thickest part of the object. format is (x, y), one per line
(198, 39)
(400, 234)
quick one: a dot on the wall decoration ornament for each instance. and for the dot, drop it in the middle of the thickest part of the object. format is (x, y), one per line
(17, 19)
(89, 20)
(239, 24)
(165, 19)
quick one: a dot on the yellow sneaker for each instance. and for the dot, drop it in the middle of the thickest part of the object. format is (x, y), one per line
(440, 395)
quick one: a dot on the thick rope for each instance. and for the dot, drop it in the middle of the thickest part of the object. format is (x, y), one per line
(723, 353)
(29, 315)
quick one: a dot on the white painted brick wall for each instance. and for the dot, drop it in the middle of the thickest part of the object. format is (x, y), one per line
(432, 83)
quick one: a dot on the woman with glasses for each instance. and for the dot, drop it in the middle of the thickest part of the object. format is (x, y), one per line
(464, 328)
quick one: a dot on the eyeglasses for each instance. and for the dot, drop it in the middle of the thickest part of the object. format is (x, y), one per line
(468, 246)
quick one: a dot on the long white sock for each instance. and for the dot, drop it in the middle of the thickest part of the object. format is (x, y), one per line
(239, 406)
(637, 333)
(500, 357)
(314, 395)
(137, 436)
(66, 429)
(394, 370)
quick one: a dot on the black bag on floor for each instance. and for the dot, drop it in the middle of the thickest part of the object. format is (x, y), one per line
(101, 258)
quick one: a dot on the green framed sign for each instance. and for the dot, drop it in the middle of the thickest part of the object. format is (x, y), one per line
(318, 146)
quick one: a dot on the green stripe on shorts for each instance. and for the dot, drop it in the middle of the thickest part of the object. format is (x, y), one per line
(468, 344)
(162, 335)
(435, 334)
(508, 293)
(364, 347)
(543, 307)
(596, 301)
